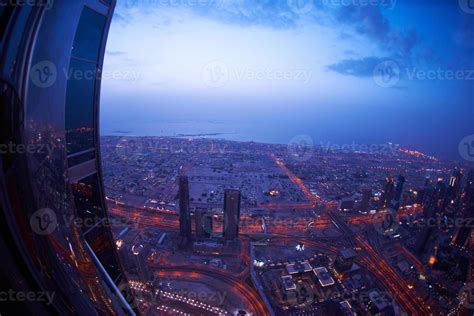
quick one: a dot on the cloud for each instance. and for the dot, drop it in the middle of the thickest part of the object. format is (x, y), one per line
(357, 67)
(268, 13)
(370, 22)
(367, 20)
(352, 21)
(277, 14)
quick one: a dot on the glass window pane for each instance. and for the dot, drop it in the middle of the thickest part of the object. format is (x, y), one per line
(88, 203)
(5, 15)
(89, 35)
(81, 158)
(80, 100)
(91, 218)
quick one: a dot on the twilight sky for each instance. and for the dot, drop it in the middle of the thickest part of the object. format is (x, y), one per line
(341, 71)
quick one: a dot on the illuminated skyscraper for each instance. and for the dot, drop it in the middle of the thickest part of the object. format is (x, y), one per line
(231, 214)
(184, 216)
(454, 187)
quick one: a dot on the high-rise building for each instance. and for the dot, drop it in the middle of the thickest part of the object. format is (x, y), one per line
(208, 224)
(124, 252)
(38, 41)
(441, 190)
(345, 260)
(387, 193)
(198, 214)
(426, 233)
(399, 188)
(428, 196)
(469, 189)
(184, 215)
(428, 181)
(204, 223)
(441, 195)
(231, 214)
(454, 186)
(140, 254)
(365, 202)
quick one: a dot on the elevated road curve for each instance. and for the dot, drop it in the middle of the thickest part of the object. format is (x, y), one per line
(247, 294)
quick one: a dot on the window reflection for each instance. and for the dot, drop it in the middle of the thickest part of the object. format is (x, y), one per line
(80, 125)
(82, 78)
(89, 35)
(88, 203)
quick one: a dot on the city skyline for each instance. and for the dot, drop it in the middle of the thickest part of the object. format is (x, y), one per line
(321, 225)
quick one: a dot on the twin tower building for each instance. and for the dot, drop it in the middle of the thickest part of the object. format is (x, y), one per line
(204, 219)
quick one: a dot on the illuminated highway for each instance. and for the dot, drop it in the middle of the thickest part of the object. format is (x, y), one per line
(307, 192)
(231, 283)
(379, 267)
